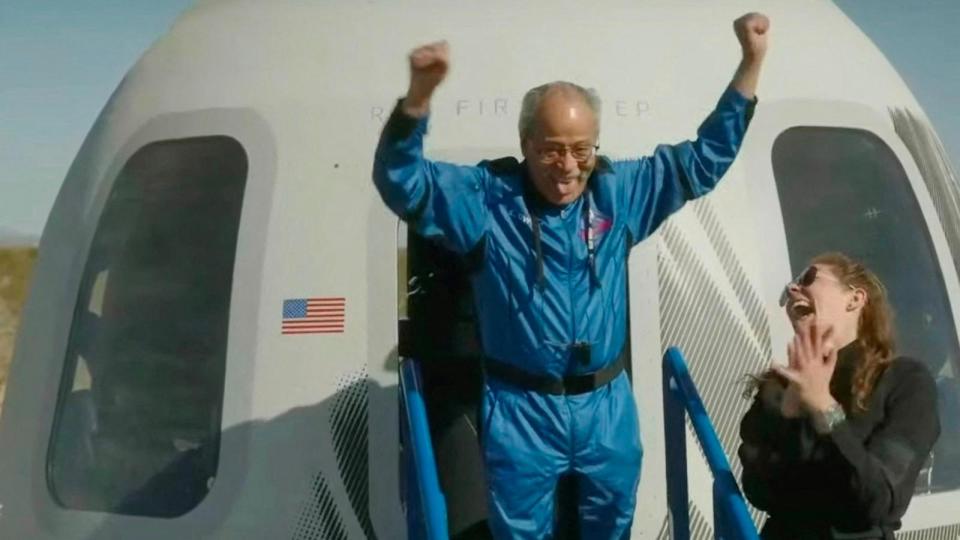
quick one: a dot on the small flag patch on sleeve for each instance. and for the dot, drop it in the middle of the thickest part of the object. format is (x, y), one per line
(313, 316)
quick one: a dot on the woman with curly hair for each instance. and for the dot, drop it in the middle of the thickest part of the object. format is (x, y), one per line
(834, 441)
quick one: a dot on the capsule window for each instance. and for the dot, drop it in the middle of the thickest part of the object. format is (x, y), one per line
(844, 189)
(137, 423)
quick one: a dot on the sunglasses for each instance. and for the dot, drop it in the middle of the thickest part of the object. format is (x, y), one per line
(805, 279)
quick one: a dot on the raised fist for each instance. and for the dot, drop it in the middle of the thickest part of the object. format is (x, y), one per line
(428, 67)
(751, 30)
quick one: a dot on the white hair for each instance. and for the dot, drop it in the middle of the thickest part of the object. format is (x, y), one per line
(534, 96)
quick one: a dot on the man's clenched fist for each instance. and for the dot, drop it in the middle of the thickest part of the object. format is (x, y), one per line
(428, 67)
(751, 30)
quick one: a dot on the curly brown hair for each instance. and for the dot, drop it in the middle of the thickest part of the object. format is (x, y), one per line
(874, 330)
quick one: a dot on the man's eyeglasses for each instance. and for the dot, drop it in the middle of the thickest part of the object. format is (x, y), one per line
(805, 279)
(580, 153)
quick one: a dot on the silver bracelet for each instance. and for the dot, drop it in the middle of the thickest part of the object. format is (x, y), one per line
(825, 421)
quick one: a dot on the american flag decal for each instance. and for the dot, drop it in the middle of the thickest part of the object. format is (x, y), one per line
(313, 316)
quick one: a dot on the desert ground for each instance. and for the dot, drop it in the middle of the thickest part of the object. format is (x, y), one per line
(16, 266)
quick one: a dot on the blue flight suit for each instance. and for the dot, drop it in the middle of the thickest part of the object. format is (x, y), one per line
(540, 295)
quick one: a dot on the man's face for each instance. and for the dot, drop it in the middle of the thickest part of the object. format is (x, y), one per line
(560, 150)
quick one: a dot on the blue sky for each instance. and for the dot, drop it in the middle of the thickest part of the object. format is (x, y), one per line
(61, 59)
(59, 62)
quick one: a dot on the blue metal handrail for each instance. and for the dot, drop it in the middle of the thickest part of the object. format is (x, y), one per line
(425, 506)
(731, 520)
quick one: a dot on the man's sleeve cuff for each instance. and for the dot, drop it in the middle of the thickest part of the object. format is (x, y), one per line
(733, 99)
(401, 125)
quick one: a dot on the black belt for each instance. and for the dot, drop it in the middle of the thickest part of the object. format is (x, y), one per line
(568, 385)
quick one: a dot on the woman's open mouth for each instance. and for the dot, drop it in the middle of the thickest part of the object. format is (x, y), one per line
(801, 310)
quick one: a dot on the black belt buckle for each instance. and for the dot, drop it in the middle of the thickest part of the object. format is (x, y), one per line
(581, 352)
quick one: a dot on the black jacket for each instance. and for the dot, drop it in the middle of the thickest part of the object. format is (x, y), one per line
(857, 479)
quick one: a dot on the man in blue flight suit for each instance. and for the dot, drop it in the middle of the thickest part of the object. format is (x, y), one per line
(550, 237)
